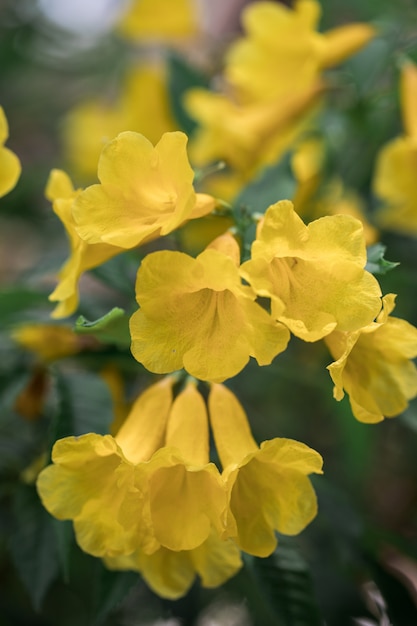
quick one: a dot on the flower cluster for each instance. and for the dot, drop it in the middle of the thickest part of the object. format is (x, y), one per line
(120, 491)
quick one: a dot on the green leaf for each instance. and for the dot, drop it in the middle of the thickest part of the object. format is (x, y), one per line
(83, 405)
(181, 78)
(32, 544)
(15, 301)
(111, 328)
(285, 580)
(274, 183)
(376, 264)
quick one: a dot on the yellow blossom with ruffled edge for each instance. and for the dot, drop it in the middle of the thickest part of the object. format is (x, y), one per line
(144, 192)
(170, 574)
(196, 314)
(141, 106)
(83, 257)
(10, 167)
(149, 486)
(268, 485)
(49, 341)
(395, 169)
(373, 365)
(315, 272)
(282, 52)
(159, 19)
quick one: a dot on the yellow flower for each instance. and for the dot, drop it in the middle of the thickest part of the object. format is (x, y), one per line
(315, 271)
(83, 256)
(246, 136)
(373, 365)
(9, 163)
(142, 106)
(196, 314)
(145, 192)
(269, 486)
(159, 19)
(131, 492)
(282, 53)
(48, 341)
(170, 574)
(394, 178)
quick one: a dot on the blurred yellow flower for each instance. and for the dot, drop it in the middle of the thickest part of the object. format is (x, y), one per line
(273, 82)
(196, 314)
(9, 163)
(49, 341)
(170, 574)
(145, 192)
(395, 170)
(315, 272)
(283, 53)
(142, 106)
(268, 486)
(83, 256)
(373, 365)
(159, 19)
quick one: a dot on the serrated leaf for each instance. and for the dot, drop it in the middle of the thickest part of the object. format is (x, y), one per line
(32, 544)
(287, 585)
(376, 264)
(111, 328)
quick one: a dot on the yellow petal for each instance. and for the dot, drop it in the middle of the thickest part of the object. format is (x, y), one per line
(408, 96)
(340, 43)
(143, 430)
(230, 426)
(188, 426)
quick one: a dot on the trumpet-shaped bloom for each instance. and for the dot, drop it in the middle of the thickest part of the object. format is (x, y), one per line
(282, 52)
(394, 178)
(9, 163)
(130, 492)
(196, 314)
(315, 271)
(142, 106)
(83, 256)
(268, 486)
(373, 365)
(170, 574)
(246, 136)
(144, 192)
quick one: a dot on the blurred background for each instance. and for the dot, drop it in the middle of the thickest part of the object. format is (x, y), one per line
(358, 559)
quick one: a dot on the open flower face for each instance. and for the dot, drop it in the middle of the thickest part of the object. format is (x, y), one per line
(195, 314)
(316, 271)
(145, 192)
(373, 365)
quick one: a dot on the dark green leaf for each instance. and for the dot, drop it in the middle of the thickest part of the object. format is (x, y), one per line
(84, 405)
(15, 301)
(32, 544)
(111, 328)
(287, 585)
(376, 264)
